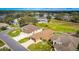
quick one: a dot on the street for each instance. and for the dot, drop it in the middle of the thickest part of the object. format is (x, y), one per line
(14, 45)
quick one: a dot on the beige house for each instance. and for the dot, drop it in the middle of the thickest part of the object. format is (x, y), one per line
(46, 34)
(3, 25)
(31, 30)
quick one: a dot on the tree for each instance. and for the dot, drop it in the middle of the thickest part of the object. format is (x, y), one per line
(51, 44)
(27, 20)
(41, 15)
(8, 19)
(78, 47)
(58, 17)
(75, 17)
(49, 18)
(77, 33)
(3, 28)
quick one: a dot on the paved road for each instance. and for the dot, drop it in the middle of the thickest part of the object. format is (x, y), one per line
(14, 45)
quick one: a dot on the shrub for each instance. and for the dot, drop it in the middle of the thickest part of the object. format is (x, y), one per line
(77, 33)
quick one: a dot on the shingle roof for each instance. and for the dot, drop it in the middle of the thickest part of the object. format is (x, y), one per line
(45, 34)
(30, 28)
(68, 42)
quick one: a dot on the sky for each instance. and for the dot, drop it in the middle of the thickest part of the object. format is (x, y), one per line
(39, 3)
(43, 9)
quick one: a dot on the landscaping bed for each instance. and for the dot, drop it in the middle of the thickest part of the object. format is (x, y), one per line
(23, 40)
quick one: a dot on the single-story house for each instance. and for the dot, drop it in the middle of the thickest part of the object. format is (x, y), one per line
(42, 20)
(46, 34)
(2, 17)
(15, 21)
(31, 29)
(3, 25)
(65, 42)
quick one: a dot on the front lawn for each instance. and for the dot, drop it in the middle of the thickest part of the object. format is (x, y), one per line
(23, 40)
(14, 33)
(61, 26)
(5, 49)
(41, 46)
(1, 43)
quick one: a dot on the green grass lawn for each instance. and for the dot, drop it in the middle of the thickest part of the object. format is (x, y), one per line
(41, 46)
(5, 49)
(14, 33)
(1, 43)
(61, 26)
(23, 40)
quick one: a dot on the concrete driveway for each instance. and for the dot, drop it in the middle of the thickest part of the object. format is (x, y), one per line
(28, 43)
(19, 37)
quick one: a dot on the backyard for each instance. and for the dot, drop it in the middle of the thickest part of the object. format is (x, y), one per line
(40, 46)
(60, 26)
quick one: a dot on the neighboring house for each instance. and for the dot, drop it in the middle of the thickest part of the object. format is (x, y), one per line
(67, 17)
(65, 42)
(31, 29)
(46, 34)
(4, 25)
(2, 17)
(45, 15)
(42, 20)
(16, 22)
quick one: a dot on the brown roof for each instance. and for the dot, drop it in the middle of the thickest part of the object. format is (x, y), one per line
(30, 28)
(68, 42)
(45, 34)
